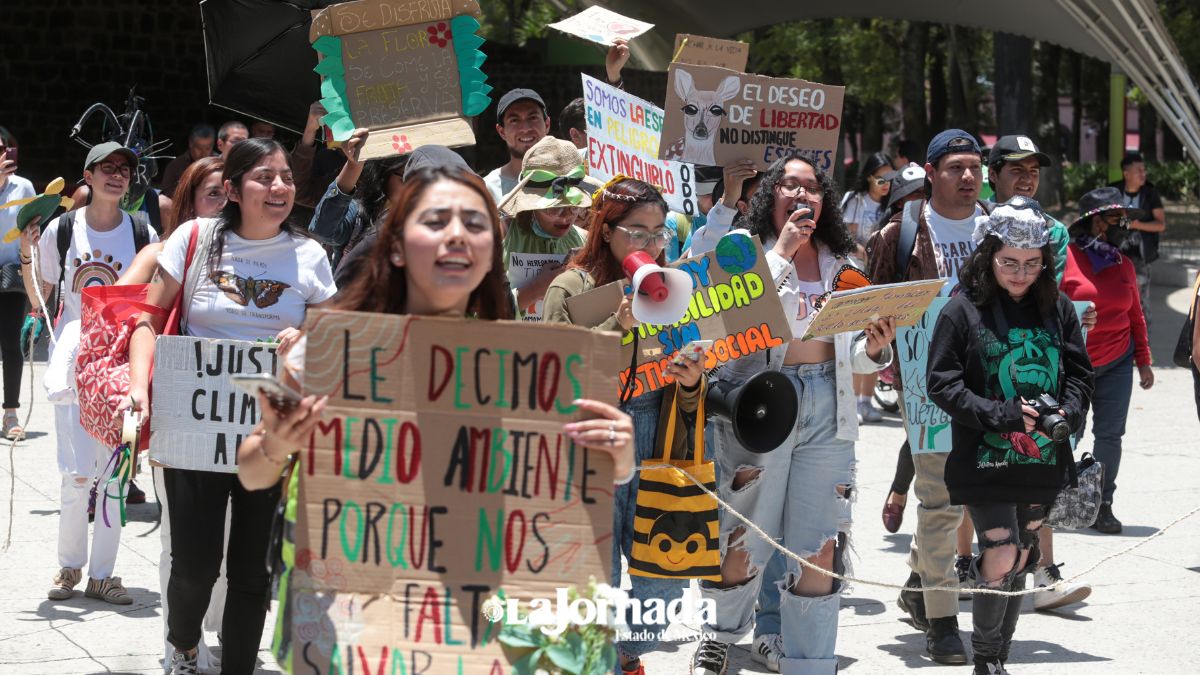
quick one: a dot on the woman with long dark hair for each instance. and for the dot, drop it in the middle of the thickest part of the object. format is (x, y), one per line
(438, 254)
(800, 492)
(250, 239)
(628, 216)
(865, 203)
(1006, 357)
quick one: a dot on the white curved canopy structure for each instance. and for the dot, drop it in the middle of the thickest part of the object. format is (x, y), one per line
(1127, 33)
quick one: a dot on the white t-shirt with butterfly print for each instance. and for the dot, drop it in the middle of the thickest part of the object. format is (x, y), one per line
(256, 289)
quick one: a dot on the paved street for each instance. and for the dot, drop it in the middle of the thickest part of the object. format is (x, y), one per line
(1141, 618)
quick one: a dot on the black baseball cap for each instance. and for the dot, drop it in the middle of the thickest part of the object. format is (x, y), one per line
(1015, 148)
(515, 95)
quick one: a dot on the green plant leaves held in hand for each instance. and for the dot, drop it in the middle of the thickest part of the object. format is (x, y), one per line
(564, 657)
(603, 663)
(521, 637)
(527, 665)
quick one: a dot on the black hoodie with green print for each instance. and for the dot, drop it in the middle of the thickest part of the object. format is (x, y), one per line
(978, 375)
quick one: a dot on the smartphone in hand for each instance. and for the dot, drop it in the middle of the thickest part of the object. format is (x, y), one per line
(693, 350)
(283, 399)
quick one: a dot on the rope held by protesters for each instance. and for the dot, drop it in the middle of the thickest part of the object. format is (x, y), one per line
(897, 587)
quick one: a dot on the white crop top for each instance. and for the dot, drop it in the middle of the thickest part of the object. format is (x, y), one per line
(809, 292)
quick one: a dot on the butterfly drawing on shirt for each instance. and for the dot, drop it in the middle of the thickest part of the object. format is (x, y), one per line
(847, 279)
(244, 290)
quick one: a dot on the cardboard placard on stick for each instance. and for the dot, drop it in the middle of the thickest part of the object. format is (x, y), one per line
(734, 304)
(716, 116)
(706, 51)
(408, 70)
(852, 310)
(199, 417)
(439, 475)
(602, 26)
(623, 135)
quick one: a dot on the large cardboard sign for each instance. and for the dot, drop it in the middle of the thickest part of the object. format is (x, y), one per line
(706, 51)
(623, 135)
(602, 26)
(199, 417)
(408, 70)
(852, 310)
(439, 476)
(734, 304)
(716, 116)
(928, 426)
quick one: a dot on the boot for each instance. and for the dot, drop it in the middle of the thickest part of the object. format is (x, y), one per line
(1106, 522)
(943, 642)
(913, 603)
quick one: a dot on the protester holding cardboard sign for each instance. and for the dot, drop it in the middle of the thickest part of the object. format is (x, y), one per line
(628, 217)
(800, 491)
(438, 254)
(227, 293)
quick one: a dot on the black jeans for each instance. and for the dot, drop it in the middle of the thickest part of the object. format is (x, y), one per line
(12, 317)
(197, 500)
(995, 616)
(905, 471)
(1196, 386)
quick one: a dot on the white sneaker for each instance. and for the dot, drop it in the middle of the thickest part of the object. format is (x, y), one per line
(768, 650)
(1065, 594)
(868, 414)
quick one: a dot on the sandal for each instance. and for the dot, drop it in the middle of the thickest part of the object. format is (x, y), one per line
(12, 427)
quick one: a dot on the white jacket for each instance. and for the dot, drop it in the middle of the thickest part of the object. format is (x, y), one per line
(850, 349)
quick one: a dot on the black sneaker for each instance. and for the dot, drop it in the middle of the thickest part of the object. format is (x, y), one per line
(913, 603)
(943, 642)
(711, 658)
(990, 668)
(1106, 522)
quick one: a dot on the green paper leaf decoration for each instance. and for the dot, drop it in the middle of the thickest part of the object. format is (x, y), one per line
(333, 87)
(472, 80)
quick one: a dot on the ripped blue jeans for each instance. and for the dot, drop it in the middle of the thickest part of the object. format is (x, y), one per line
(798, 494)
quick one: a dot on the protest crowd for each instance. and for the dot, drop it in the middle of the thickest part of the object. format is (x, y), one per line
(283, 253)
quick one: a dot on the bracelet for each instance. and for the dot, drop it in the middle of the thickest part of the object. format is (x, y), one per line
(24, 260)
(262, 449)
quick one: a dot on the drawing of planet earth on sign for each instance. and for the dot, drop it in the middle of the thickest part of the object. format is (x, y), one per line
(736, 254)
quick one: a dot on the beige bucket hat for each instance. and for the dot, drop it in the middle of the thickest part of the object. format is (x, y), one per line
(552, 175)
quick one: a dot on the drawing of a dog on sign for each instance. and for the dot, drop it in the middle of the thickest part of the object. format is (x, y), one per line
(703, 113)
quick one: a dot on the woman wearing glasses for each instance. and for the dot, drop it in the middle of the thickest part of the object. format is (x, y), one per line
(102, 246)
(1097, 271)
(1008, 339)
(801, 491)
(628, 216)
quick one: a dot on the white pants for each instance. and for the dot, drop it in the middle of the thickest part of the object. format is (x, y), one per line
(80, 460)
(216, 603)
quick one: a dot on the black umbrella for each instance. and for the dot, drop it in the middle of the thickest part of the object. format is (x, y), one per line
(259, 58)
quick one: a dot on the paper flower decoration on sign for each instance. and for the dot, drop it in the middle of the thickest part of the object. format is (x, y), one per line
(408, 71)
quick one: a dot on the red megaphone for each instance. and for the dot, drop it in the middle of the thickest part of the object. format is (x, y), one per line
(661, 294)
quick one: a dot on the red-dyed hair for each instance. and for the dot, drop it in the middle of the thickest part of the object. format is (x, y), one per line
(614, 203)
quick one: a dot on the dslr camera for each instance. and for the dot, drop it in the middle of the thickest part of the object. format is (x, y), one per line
(1050, 422)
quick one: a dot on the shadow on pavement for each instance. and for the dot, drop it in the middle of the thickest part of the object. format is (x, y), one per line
(1128, 531)
(897, 543)
(863, 606)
